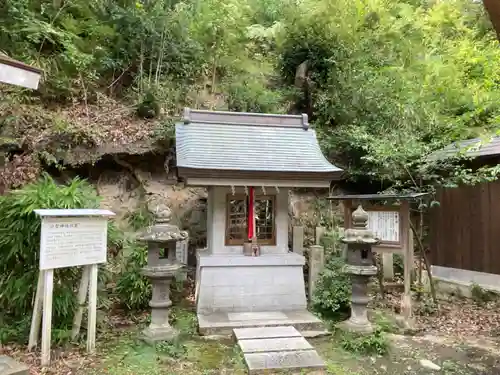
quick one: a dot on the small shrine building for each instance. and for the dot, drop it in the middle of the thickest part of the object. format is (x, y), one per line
(249, 162)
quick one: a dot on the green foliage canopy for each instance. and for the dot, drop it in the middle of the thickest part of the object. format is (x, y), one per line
(395, 80)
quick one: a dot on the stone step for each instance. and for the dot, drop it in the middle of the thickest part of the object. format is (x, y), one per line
(276, 349)
(283, 344)
(260, 363)
(224, 323)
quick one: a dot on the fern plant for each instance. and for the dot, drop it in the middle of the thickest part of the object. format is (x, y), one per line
(132, 288)
(20, 246)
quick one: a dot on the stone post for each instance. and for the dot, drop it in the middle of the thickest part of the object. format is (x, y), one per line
(182, 256)
(388, 265)
(320, 232)
(298, 240)
(316, 264)
(359, 240)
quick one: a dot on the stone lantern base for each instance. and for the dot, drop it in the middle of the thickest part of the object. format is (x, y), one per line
(358, 321)
(357, 327)
(154, 335)
(160, 329)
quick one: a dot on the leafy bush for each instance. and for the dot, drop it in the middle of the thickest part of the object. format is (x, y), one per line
(333, 291)
(375, 343)
(250, 95)
(19, 249)
(482, 296)
(134, 289)
(393, 81)
(333, 288)
(140, 219)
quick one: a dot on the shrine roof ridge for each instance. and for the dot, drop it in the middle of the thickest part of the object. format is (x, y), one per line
(245, 118)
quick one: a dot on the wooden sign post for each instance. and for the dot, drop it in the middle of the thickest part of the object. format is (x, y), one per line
(69, 238)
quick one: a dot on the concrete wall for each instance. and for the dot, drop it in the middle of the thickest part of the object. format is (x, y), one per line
(216, 223)
(449, 280)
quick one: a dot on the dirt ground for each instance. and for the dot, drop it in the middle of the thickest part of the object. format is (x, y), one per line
(461, 338)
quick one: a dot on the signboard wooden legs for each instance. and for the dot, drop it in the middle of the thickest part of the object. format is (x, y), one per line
(42, 311)
(92, 315)
(48, 287)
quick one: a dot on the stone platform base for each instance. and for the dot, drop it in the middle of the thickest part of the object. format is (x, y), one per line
(240, 284)
(224, 323)
(276, 349)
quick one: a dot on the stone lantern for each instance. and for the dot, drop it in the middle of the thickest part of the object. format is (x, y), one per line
(360, 267)
(162, 266)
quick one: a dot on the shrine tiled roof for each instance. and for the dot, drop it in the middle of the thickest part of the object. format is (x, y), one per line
(249, 142)
(472, 148)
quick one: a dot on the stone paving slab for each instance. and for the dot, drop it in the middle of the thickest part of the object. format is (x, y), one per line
(274, 345)
(9, 366)
(294, 360)
(265, 333)
(264, 349)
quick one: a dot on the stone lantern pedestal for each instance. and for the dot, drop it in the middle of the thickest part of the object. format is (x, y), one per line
(162, 267)
(360, 267)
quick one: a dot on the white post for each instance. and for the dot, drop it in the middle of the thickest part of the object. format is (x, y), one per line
(92, 314)
(320, 232)
(82, 297)
(36, 319)
(47, 316)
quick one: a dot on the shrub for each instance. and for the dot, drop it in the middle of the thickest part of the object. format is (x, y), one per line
(134, 289)
(375, 343)
(19, 249)
(333, 288)
(333, 291)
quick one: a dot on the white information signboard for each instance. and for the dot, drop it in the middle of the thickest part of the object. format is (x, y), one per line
(72, 241)
(69, 238)
(385, 225)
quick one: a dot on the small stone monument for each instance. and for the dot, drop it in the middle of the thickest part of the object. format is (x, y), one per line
(360, 267)
(162, 267)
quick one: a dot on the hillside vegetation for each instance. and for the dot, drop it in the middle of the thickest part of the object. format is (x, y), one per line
(384, 82)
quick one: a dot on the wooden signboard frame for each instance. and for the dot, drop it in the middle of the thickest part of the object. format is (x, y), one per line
(69, 238)
(16, 73)
(405, 236)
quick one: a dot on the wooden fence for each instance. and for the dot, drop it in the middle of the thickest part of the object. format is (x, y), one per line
(465, 228)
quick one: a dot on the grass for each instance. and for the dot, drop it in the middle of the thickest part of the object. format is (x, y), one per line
(189, 354)
(122, 353)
